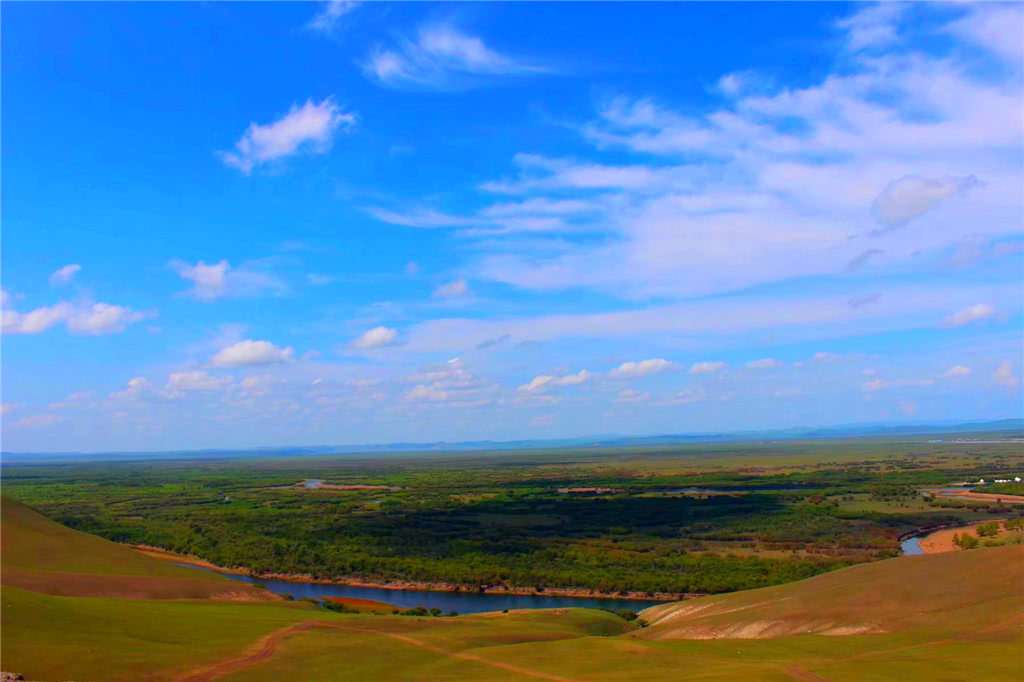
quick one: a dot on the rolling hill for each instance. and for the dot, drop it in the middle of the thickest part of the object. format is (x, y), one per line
(955, 616)
(46, 557)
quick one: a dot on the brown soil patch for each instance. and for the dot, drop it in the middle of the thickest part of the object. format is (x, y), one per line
(942, 540)
(987, 497)
(370, 605)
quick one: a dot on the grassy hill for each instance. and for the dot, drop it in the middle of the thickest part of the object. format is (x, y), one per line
(958, 589)
(44, 556)
(954, 616)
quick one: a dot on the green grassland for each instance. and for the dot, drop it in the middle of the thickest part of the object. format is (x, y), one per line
(955, 616)
(793, 509)
(46, 557)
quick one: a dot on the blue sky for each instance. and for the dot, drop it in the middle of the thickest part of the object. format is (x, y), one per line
(235, 224)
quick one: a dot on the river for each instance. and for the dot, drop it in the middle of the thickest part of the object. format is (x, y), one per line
(462, 602)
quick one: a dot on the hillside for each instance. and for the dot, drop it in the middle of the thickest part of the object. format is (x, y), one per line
(46, 557)
(954, 616)
(958, 589)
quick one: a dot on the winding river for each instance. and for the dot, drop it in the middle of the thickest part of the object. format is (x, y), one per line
(462, 602)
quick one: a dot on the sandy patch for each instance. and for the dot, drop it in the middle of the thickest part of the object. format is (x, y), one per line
(942, 540)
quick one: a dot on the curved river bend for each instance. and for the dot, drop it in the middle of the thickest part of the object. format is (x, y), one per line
(462, 602)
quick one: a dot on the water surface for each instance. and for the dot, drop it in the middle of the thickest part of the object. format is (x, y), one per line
(463, 602)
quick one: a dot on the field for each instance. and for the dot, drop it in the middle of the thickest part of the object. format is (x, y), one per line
(955, 616)
(648, 521)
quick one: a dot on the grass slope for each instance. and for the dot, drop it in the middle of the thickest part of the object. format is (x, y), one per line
(43, 556)
(956, 590)
(954, 616)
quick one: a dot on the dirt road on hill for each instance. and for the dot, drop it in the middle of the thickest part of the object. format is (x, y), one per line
(267, 646)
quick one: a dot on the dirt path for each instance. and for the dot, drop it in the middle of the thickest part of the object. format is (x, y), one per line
(263, 649)
(267, 646)
(469, 657)
(798, 672)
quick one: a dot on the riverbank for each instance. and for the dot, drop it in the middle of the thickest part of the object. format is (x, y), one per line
(971, 495)
(419, 586)
(942, 541)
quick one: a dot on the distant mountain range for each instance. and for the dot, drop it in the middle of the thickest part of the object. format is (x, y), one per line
(1004, 427)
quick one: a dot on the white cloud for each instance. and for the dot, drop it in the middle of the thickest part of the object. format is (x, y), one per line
(773, 186)
(805, 317)
(641, 369)
(628, 395)
(7, 408)
(1004, 376)
(326, 20)
(873, 26)
(912, 196)
(733, 84)
(978, 311)
(64, 274)
(80, 318)
(136, 387)
(706, 367)
(196, 380)
(220, 280)
(457, 288)
(450, 385)
(378, 337)
(103, 318)
(957, 371)
(441, 57)
(874, 385)
(248, 352)
(544, 380)
(39, 421)
(879, 384)
(38, 320)
(686, 397)
(995, 27)
(309, 128)
(764, 363)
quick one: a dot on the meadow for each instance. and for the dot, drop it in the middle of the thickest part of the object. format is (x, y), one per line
(654, 520)
(954, 616)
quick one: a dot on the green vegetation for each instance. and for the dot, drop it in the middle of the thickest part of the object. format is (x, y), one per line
(988, 530)
(45, 557)
(789, 511)
(945, 616)
(1004, 489)
(965, 541)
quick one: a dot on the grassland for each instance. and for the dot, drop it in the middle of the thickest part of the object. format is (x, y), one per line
(954, 616)
(45, 557)
(791, 510)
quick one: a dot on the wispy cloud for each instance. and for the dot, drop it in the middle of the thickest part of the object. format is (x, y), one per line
(378, 337)
(442, 57)
(330, 14)
(307, 129)
(978, 311)
(220, 280)
(65, 274)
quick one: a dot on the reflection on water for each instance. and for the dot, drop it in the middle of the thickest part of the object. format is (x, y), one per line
(912, 545)
(463, 602)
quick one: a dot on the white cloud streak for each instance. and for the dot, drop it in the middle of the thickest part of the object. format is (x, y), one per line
(251, 353)
(307, 129)
(441, 58)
